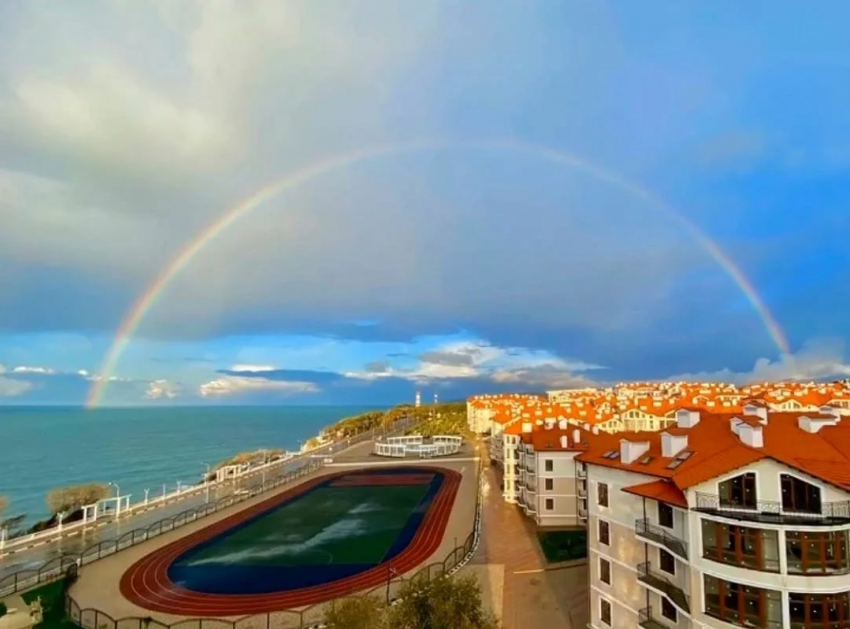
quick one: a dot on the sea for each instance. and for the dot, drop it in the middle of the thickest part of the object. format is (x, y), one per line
(43, 448)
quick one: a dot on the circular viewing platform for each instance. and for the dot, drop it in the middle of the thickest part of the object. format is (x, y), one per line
(418, 446)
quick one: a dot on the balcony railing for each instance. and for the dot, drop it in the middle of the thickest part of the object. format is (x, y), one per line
(756, 621)
(664, 585)
(772, 512)
(582, 490)
(647, 621)
(645, 529)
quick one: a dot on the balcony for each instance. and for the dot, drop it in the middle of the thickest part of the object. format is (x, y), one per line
(581, 471)
(647, 621)
(646, 530)
(582, 490)
(772, 512)
(664, 585)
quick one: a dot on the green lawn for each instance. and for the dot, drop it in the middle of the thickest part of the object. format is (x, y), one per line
(328, 525)
(563, 545)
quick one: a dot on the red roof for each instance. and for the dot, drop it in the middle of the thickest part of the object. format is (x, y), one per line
(660, 490)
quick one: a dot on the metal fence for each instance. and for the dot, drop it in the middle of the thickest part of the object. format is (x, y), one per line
(301, 618)
(56, 567)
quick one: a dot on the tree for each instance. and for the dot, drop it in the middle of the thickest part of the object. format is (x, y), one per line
(444, 603)
(357, 613)
(67, 500)
(4, 502)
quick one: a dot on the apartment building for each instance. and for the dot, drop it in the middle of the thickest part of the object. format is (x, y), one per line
(723, 520)
(548, 491)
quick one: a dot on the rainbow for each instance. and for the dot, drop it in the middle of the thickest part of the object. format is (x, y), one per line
(155, 289)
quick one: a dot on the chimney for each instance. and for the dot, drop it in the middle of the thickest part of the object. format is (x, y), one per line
(687, 418)
(526, 427)
(576, 436)
(562, 424)
(671, 445)
(550, 423)
(752, 436)
(595, 430)
(564, 443)
(631, 451)
(586, 426)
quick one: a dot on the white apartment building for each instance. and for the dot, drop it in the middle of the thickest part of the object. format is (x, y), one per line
(547, 472)
(479, 415)
(725, 520)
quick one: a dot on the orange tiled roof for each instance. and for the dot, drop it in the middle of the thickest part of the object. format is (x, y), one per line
(661, 490)
(716, 450)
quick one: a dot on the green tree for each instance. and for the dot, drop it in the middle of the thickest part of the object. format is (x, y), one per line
(446, 603)
(357, 613)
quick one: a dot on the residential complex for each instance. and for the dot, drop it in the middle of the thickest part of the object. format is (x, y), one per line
(732, 509)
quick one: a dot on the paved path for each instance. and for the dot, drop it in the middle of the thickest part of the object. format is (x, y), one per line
(533, 594)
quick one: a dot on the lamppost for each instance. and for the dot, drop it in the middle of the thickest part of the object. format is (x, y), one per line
(207, 481)
(147, 491)
(117, 498)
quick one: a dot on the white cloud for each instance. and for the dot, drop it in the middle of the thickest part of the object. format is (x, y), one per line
(816, 361)
(39, 370)
(227, 386)
(252, 368)
(9, 387)
(479, 359)
(83, 372)
(159, 389)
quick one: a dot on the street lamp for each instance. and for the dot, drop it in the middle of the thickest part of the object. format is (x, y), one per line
(117, 499)
(146, 496)
(207, 481)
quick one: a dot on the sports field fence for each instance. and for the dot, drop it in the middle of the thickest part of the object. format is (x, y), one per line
(301, 618)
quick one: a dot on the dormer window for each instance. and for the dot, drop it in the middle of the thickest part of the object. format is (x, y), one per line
(798, 496)
(739, 492)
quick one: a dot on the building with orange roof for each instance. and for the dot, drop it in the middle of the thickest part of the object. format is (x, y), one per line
(722, 519)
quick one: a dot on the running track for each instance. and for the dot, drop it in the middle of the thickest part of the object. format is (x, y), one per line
(146, 582)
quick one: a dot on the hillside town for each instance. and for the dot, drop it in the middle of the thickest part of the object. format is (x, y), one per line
(702, 502)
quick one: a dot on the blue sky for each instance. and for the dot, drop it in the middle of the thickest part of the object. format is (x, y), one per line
(128, 128)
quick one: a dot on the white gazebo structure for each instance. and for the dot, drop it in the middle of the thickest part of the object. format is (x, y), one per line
(418, 446)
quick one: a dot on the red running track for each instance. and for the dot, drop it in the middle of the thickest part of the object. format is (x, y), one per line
(146, 582)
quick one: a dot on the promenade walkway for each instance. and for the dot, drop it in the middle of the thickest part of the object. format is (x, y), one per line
(533, 594)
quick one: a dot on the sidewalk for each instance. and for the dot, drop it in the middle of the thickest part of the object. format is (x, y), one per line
(533, 594)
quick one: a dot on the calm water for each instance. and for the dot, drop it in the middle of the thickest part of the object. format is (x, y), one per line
(44, 448)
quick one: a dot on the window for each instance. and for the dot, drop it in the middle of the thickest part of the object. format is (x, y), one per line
(819, 611)
(602, 494)
(548, 484)
(605, 611)
(605, 571)
(739, 492)
(666, 561)
(817, 552)
(665, 515)
(798, 496)
(547, 465)
(742, 605)
(668, 610)
(740, 546)
(604, 533)
(550, 504)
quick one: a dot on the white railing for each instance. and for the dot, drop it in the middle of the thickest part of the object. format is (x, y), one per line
(416, 445)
